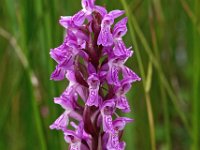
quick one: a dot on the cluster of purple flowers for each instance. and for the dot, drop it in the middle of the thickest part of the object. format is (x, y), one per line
(92, 58)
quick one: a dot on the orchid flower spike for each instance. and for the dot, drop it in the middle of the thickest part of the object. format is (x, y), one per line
(92, 58)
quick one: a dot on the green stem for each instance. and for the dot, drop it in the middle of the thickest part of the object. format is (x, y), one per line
(196, 84)
(30, 76)
(147, 96)
(166, 118)
(165, 83)
(163, 92)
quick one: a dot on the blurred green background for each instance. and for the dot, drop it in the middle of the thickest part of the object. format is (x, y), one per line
(165, 35)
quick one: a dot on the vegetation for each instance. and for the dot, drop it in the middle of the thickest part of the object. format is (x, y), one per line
(165, 35)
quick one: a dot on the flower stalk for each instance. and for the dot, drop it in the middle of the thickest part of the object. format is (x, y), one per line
(92, 58)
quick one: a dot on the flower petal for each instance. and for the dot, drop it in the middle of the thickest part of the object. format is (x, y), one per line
(93, 81)
(57, 55)
(107, 123)
(75, 146)
(108, 105)
(116, 13)
(68, 61)
(66, 21)
(120, 123)
(121, 51)
(101, 10)
(91, 68)
(120, 28)
(58, 74)
(122, 104)
(88, 5)
(62, 122)
(93, 98)
(129, 75)
(107, 109)
(105, 37)
(112, 76)
(113, 141)
(79, 18)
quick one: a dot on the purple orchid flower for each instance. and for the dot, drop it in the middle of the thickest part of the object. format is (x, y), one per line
(94, 83)
(92, 58)
(105, 36)
(106, 112)
(113, 139)
(74, 138)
